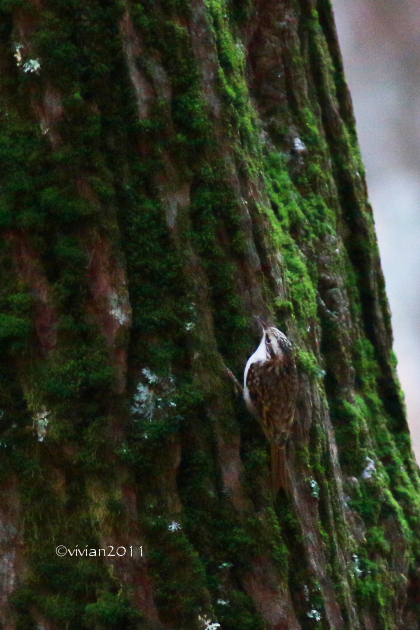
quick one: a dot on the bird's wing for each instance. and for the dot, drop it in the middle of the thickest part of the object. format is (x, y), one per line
(272, 390)
(255, 386)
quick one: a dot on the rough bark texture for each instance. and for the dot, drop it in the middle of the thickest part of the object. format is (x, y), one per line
(169, 169)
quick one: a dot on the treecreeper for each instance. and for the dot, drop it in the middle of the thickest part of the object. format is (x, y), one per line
(270, 393)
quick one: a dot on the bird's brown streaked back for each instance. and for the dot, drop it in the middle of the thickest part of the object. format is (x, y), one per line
(270, 392)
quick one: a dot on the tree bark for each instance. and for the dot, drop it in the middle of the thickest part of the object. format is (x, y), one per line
(168, 170)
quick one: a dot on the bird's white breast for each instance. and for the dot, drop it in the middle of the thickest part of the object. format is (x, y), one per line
(260, 354)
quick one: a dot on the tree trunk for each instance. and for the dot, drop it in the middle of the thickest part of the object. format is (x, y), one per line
(168, 170)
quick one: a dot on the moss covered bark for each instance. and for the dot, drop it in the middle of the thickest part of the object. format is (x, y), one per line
(169, 169)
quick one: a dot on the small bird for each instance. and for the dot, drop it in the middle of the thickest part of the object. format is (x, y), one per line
(270, 393)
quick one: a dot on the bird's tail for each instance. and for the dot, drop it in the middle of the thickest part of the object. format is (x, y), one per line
(279, 473)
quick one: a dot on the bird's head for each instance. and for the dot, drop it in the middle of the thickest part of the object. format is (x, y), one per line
(276, 342)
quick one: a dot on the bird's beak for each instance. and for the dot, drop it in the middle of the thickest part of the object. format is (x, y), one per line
(263, 324)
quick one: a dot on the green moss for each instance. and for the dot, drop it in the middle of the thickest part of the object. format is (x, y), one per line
(241, 10)
(12, 5)
(239, 611)
(110, 611)
(13, 327)
(308, 363)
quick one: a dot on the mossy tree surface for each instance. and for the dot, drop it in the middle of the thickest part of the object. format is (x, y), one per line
(168, 170)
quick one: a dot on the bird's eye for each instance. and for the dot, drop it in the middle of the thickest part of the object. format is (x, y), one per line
(268, 340)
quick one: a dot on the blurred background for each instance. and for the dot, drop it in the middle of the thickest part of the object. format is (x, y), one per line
(380, 44)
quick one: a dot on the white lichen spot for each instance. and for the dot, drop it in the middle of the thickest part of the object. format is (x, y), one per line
(314, 488)
(32, 65)
(143, 402)
(369, 470)
(357, 570)
(18, 54)
(44, 127)
(298, 145)
(306, 592)
(192, 317)
(41, 423)
(174, 526)
(314, 614)
(152, 401)
(150, 376)
(241, 48)
(345, 498)
(223, 602)
(116, 309)
(207, 623)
